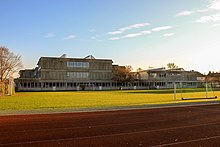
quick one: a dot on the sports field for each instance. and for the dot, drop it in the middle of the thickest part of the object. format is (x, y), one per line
(95, 99)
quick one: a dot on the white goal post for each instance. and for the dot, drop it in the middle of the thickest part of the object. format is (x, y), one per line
(186, 91)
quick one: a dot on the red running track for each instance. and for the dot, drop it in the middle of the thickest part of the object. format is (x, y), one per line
(176, 126)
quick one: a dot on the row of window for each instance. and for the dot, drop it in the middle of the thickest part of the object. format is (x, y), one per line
(154, 75)
(78, 75)
(78, 64)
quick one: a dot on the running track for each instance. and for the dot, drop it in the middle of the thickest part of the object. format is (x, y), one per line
(176, 126)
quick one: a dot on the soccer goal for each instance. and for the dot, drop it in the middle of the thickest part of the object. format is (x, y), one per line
(193, 91)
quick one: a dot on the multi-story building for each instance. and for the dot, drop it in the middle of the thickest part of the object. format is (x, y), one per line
(165, 78)
(63, 73)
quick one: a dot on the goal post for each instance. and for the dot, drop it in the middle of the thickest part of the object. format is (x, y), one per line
(186, 90)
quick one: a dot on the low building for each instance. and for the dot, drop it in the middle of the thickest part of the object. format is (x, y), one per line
(165, 78)
(214, 78)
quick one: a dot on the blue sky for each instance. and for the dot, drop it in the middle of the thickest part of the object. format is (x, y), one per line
(140, 33)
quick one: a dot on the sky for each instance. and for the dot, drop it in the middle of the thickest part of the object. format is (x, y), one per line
(143, 33)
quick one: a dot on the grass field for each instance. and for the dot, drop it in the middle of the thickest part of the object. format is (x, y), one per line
(92, 99)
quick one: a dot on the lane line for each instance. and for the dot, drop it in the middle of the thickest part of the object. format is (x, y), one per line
(93, 126)
(109, 135)
(188, 141)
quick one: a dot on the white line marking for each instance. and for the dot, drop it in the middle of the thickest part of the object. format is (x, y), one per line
(188, 141)
(109, 135)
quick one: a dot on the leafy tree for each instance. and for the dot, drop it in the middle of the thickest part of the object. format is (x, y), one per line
(139, 69)
(10, 63)
(172, 66)
(123, 74)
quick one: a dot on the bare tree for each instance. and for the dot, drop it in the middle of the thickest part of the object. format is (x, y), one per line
(172, 66)
(10, 63)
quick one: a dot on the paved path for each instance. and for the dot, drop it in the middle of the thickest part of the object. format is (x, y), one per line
(177, 126)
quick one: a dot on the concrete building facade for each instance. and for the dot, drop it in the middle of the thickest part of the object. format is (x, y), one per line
(61, 73)
(165, 78)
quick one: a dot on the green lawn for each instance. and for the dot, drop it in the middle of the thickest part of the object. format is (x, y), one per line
(92, 99)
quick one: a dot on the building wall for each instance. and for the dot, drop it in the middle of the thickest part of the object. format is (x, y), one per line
(75, 69)
(53, 74)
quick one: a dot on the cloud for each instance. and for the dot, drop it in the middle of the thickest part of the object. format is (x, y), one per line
(162, 28)
(214, 4)
(145, 32)
(114, 38)
(69, 37)
(202, 10)
(49, 35)
(134, 26)
(216, 25)
(136, 34)
(122, 30)
(115, 32)
(168, 34)
(185, 13)
(209, 18)
(132, 35)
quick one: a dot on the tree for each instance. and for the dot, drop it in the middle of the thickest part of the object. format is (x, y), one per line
(122, 74)
(10, 63)
(172, 66)
(139, 69)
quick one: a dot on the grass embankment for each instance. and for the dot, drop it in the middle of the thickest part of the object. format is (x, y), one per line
(92, 99)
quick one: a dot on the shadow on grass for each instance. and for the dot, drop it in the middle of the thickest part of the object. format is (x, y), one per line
(167, 91)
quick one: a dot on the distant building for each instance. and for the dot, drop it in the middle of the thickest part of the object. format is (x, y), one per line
(165, 78)
(214, 78)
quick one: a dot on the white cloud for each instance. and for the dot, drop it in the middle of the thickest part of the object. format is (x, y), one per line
(162, 28)
(214, 4)
(49, 35)
(69, 37)
(134, 26)
(185, 13)
(115, 32)
(132, 35)
(136, 34)
(202, 10)
(216, 25)
(114, 38)
(168, 34)
(145, 32)
(209, 18)
(122, 30)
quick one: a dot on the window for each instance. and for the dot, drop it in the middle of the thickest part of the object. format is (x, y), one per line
(154, 75)
(78, 64)
(78, 75)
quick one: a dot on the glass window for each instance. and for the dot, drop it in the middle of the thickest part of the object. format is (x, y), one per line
(78, 64)
(78, 75)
